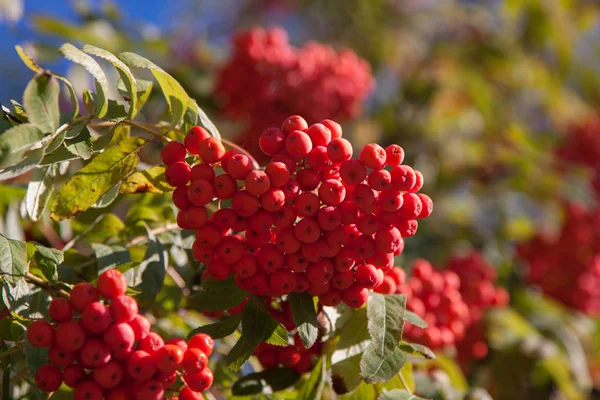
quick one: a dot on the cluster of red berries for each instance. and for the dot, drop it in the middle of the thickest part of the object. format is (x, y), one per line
(477, 278)
(267, 80)
(105, 350)
(435, 296)
(582, 147)
(295, 356)
(567, 266)
(314, 220)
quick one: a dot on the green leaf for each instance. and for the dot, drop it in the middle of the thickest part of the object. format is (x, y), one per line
(39, 190)
(30, 159)
(313, 386)
(109, 257)
(102, 173)
(386, 321)
(218, 296)
(257, 326)
(279, 336)
(149, 277)
(345, 375)
(414, 319)
(149, 181)
(176, 97)
(124, 73)
(16, 140)
(206, 122)
(305, 317)
(107, 198)
(36, 357)
(363, 391)
(41, 103)
(81, 145)
(418, 350)
(267, 381)
(72, 95)
(354, 331)
(219, 329)
(144, 89)
(72, 53)
(27, 60)
(44, 261)
(375, 368)
(16, 297)
(13, 259)
(398, 394)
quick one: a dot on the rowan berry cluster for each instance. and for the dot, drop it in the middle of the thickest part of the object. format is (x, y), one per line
(267, 80)
(582, 147)
(567, 266)
(105, 350)
(477, 279)
(313, 220)
(435, 296)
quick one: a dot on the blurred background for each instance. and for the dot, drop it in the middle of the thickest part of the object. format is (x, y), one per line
(495, 102)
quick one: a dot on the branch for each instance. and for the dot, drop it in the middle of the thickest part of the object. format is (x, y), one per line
(156, 231)
(29, 277)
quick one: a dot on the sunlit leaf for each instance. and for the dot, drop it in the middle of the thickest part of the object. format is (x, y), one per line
(41, 102)
(151, 180)
(39, 190)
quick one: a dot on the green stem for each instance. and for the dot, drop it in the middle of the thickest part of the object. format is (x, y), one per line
(6, 382)
(404, 383)
(29, 277)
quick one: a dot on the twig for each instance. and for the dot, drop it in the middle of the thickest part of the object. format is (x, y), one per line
(156, 231)
(178, 279)
(11, 350)
(145, 127)
(29, 277)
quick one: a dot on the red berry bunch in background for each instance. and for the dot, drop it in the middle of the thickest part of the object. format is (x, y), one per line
(100, 346)
(567, 266)
(582, 147)
(434, 296)
(313, 220)
(267, 80)
(477, 279)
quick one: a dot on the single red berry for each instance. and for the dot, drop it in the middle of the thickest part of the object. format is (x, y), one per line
(339, 150)
(69, 336)
(307, 204)
(244, 203)
(272, 141)
(308, 179)
(278, 173)
(194, 360)
(319, 135)
(320, 272)
(224, 186)
(331, 298)
(287, 160)
(140, 326)
(282, 281)
(427, 206)
(345, 260)
(178, 174)
(403, 177)
(203, 342)
(60, 309)
(120, 336)
(173, 152)
(93, 354)
(373, 155)
(388, 286)
(302, 283)
(272, 200)
(111, 284)
(152, 389)
(109, 375)
(298, 144)
(239, 166)
(123, 308)
(96, 317)
(211, 150)
(334, 128)
(73, 374)
(119, 393)
(168, 358)
(353, 172)
(88, 390)
(195, 217)
(307, 230)
(288, 356)
(257, 182)
(379, 179)
(188, 394)
(151, 343)
(332, 192)
(40, 334)
(418, 182)
(199, 381)
(81, 295)
(342, 279)
(366, 276)
(293, 123)
(48, 378)
(141, 366)
(394, 155)
(60, 357)
(193, 138)
(200, 192)
(202, 171)
(355, 296)
(390, 200)
(411, 207)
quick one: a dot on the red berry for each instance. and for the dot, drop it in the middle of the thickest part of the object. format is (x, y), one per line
(394, 155)
(355, 296)
(202, 171)
(96, 317)
(193, 138)
(60, 357)
(120, 336)
(93, 354)
(203, 342)
(111, 284)
(332, 192)
(334, 128)
(178, 174)
(320, 272)
(353, 172)
(73, 374)
(403, 177)
(141, 366)
(272, 200)
(48, 378)
(257, 182)
(81, 295)
(272, 141)
(173, 152)
(319, 135)
(40, 334)
(195, 217)
(298, 144)
(427, 206)
(339, 150)
(293, 123)
(282, 281)
(331, 298)
(109, 375)
(60, 309)
(373, 156)
(123, 308)
(288, 356)
(140, 326)
(278, 173)
(188, 394)
(199, 381)
(88, 390)
(224, 186)
(168, 358)
(308, 179)
(151, 343)
(200, 192)
(194, 360)
(69, 336)
(150, 390)
(244, 203)
(239, 166)
(379, 179)
(211, 150)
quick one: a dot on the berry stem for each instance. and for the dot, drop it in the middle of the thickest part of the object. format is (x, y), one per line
(29, 277)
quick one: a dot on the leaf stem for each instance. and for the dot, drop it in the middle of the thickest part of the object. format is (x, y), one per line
(404, 383)
(29, 277)
(145, 128)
